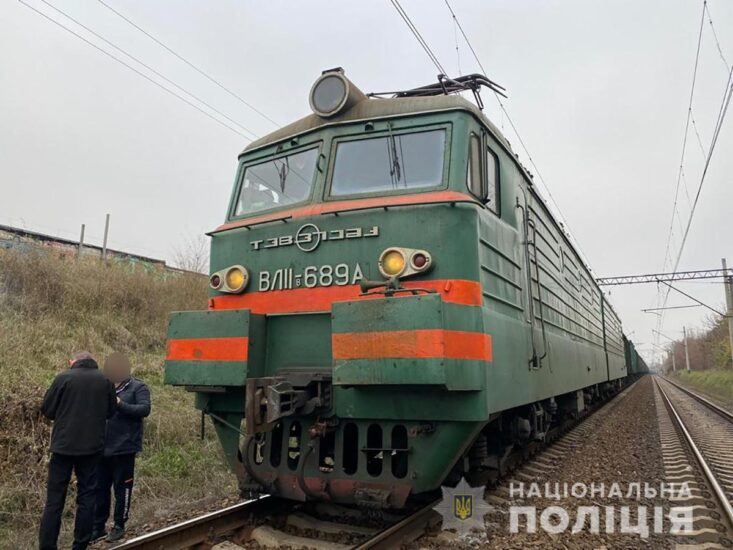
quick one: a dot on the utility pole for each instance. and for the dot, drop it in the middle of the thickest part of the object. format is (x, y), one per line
(81, 241)
(671, 352)
(674, 364)
(687, 354)
(729, 303)
(104, 245)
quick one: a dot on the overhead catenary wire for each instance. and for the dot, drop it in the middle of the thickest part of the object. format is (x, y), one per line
(686, 133)
(722, 112)
(149, 68)
(721, 117)
(189, 63)
(130, 67)
(516, 133)
(697, 134)
(715, 37)
(418, 36)
(455, 39)
(663, 293)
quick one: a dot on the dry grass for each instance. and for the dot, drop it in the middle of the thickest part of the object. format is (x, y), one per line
(717, 383)
(49, 308)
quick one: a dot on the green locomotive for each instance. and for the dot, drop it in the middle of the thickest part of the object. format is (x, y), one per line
(392, 305)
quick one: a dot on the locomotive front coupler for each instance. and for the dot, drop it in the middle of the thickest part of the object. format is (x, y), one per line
(390, 287)
(269, 399)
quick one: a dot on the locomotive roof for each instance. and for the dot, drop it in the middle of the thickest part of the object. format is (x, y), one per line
(374, 108)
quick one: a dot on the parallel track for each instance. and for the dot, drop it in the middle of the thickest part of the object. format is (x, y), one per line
(709, 440)
(728, 415)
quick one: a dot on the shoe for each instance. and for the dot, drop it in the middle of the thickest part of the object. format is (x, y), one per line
(98, 534)
(115, 534)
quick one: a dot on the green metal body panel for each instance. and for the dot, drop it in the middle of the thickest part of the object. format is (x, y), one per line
(205, 373)
(204, 325)
(570, 324)
(291, 342)
(407, 314)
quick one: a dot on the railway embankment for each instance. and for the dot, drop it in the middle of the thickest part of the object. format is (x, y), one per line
(715, 383)
(51, 307)
(623, 478)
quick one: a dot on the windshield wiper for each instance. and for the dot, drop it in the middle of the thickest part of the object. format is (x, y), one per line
(395, 170)
(282, 171)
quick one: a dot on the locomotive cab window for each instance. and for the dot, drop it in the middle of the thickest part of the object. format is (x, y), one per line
(475, 185)
(482, 178)
(492, 181)
(395, 162)
(277, 182)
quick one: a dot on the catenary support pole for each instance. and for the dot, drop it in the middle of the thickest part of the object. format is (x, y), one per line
(687, 354)
(81, 241)
(729, 303)
(104, 244)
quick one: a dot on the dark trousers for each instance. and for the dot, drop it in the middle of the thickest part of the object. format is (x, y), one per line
(59, 475)
(115, 472)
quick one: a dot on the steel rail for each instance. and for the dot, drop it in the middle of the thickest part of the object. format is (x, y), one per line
(200, 530)
(403, 531)
(725, 413)
(197, 530)
(712, 480)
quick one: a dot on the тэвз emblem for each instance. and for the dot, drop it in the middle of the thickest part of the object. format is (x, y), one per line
(463, 508)
(308, 237)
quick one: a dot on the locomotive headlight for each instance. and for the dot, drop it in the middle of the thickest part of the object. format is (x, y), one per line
(404, 262)
(333, 93)
(328, 94)
(392, 262)
(232, 279)
(236, 278)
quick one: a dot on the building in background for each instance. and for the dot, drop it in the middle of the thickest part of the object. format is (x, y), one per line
(23, 239)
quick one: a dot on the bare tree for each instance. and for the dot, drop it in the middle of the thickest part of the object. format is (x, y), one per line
(193, 254)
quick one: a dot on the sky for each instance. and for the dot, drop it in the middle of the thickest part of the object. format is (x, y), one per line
(598, 90)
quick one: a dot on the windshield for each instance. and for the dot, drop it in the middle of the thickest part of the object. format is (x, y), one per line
(277, 182)
(389, 163)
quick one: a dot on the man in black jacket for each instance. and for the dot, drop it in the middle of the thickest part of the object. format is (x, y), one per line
(124, 439)
(79, 401)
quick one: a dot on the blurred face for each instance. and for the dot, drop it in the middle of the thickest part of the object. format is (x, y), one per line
(117, 371)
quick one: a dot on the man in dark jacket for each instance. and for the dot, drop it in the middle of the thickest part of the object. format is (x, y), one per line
(124, 439)
(79, 401)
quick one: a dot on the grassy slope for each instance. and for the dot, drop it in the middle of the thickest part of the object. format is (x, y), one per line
(717, 383)
(51, 307)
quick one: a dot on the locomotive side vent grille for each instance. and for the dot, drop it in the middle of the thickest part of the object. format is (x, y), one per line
(276, 442)
(374, 451)
(294, 437)
(351, 448)
(399, 456)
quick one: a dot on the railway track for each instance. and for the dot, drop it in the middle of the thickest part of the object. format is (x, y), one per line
(725, 413)
(274, 522)
(707, 430)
